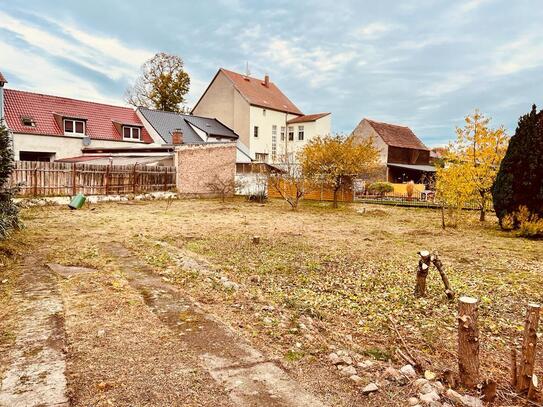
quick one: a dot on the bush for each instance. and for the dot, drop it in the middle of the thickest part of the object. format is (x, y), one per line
(9, 211)
(380, 188)
(519, 182)
(526, 223)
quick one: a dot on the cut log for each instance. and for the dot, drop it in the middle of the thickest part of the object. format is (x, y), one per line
(422, 273)
(513, 367)
(533, 390)
(529, 342)
(468, 341)
(489, 389)
(439, 266)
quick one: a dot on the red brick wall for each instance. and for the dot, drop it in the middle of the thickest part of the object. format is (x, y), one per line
(199, 165)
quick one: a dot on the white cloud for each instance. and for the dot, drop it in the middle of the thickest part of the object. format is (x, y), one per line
(374, 30)
(105, 55)
(47, 78)
(525, 52)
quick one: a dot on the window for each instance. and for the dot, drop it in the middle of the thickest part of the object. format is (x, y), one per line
(256, 131)
(283, 133)
(261, 157)
(300, 132)
(263, 112)
(28, 121)
(74, 126)
(274, 143)
(290, 133)
(36, 156)
(131, 133)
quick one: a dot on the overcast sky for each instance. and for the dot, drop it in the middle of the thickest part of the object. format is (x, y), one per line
(421, 63)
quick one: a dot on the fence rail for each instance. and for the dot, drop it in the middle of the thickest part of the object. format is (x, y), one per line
(38, 179)
(417, 199)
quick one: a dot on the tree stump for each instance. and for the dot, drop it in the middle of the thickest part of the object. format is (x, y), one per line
(533, 390)
(529, 342)
(256, 239)
(468, 341)
(439, 266)
(422, 273)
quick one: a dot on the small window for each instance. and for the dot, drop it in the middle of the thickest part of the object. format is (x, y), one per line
(261, 157)
(291, 133)
(283, 129)
(74, 126)
(256, 131)
(28, 121)
(263, 112)
(131, 133)
(274, 130)
(300, 132)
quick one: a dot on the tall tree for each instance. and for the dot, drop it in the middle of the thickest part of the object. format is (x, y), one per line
(473, 160)
(336, 158)
(162, 85)
(9, 211)
(520, 177)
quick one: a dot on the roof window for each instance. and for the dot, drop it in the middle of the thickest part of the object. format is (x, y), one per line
(28, 121)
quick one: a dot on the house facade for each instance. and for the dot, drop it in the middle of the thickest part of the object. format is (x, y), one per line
(401, 153)
(50, 128)
(267, 122)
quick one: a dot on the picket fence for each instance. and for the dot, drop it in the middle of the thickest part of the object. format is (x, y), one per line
(40, 179)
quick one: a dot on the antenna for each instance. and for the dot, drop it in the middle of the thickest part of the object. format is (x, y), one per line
(247, 72)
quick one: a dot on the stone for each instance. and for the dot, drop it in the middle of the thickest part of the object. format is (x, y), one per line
(428, 398)
(413, 401)
(429, 375)
(347, 371)
(334, 358)
(419, 383)
(408, 371)
(365, 364)
(466, 401)
(391, 374)
(230, 285)
(267, 321)
(439, 386)
(370, 388)
(356, 379)
(427, 388)
(346, 360)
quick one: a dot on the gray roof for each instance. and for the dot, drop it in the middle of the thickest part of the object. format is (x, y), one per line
(165, 122)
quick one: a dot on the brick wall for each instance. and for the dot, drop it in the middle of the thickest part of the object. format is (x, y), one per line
(200, 165)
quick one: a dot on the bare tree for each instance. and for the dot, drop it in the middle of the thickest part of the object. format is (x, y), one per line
(223, 187)
(289, 180)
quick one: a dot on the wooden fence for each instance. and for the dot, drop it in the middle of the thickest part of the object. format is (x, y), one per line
(38, 179)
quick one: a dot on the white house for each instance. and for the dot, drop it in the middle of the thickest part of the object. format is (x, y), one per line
(264, 118)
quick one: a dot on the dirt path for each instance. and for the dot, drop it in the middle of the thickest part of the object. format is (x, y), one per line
(244, 372)
(37, 360)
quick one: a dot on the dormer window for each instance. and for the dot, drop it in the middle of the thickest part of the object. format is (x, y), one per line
(74, 127)
(131, 133)
(28, 121)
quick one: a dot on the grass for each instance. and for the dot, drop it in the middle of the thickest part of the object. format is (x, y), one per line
(342, 270)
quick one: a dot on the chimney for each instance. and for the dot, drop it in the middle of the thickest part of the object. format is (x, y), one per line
(177, 137)
(2, 82)
(267, 81)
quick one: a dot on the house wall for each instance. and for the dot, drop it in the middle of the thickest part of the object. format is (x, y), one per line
(62, 146)
(364, 131)
(223, 102)
(321, 127)
(199, 165)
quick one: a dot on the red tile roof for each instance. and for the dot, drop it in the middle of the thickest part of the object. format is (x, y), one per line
(307, 118)
(2, 79)
(100, 118)
(258, 94)
(397, 136)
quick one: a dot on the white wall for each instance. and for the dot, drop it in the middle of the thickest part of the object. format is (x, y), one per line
(63, 147)
(321, 127)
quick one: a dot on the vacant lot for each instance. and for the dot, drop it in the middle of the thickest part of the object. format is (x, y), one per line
(318, 279)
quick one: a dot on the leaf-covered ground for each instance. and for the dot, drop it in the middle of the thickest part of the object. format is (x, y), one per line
(319, 278)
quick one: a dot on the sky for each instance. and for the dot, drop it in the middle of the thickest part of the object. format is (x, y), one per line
(425, 64)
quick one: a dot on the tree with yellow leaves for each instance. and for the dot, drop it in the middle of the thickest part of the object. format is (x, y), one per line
(336, 158)
(471, 163)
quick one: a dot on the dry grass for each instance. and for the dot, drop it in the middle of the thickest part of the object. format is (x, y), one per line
(341, 270)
